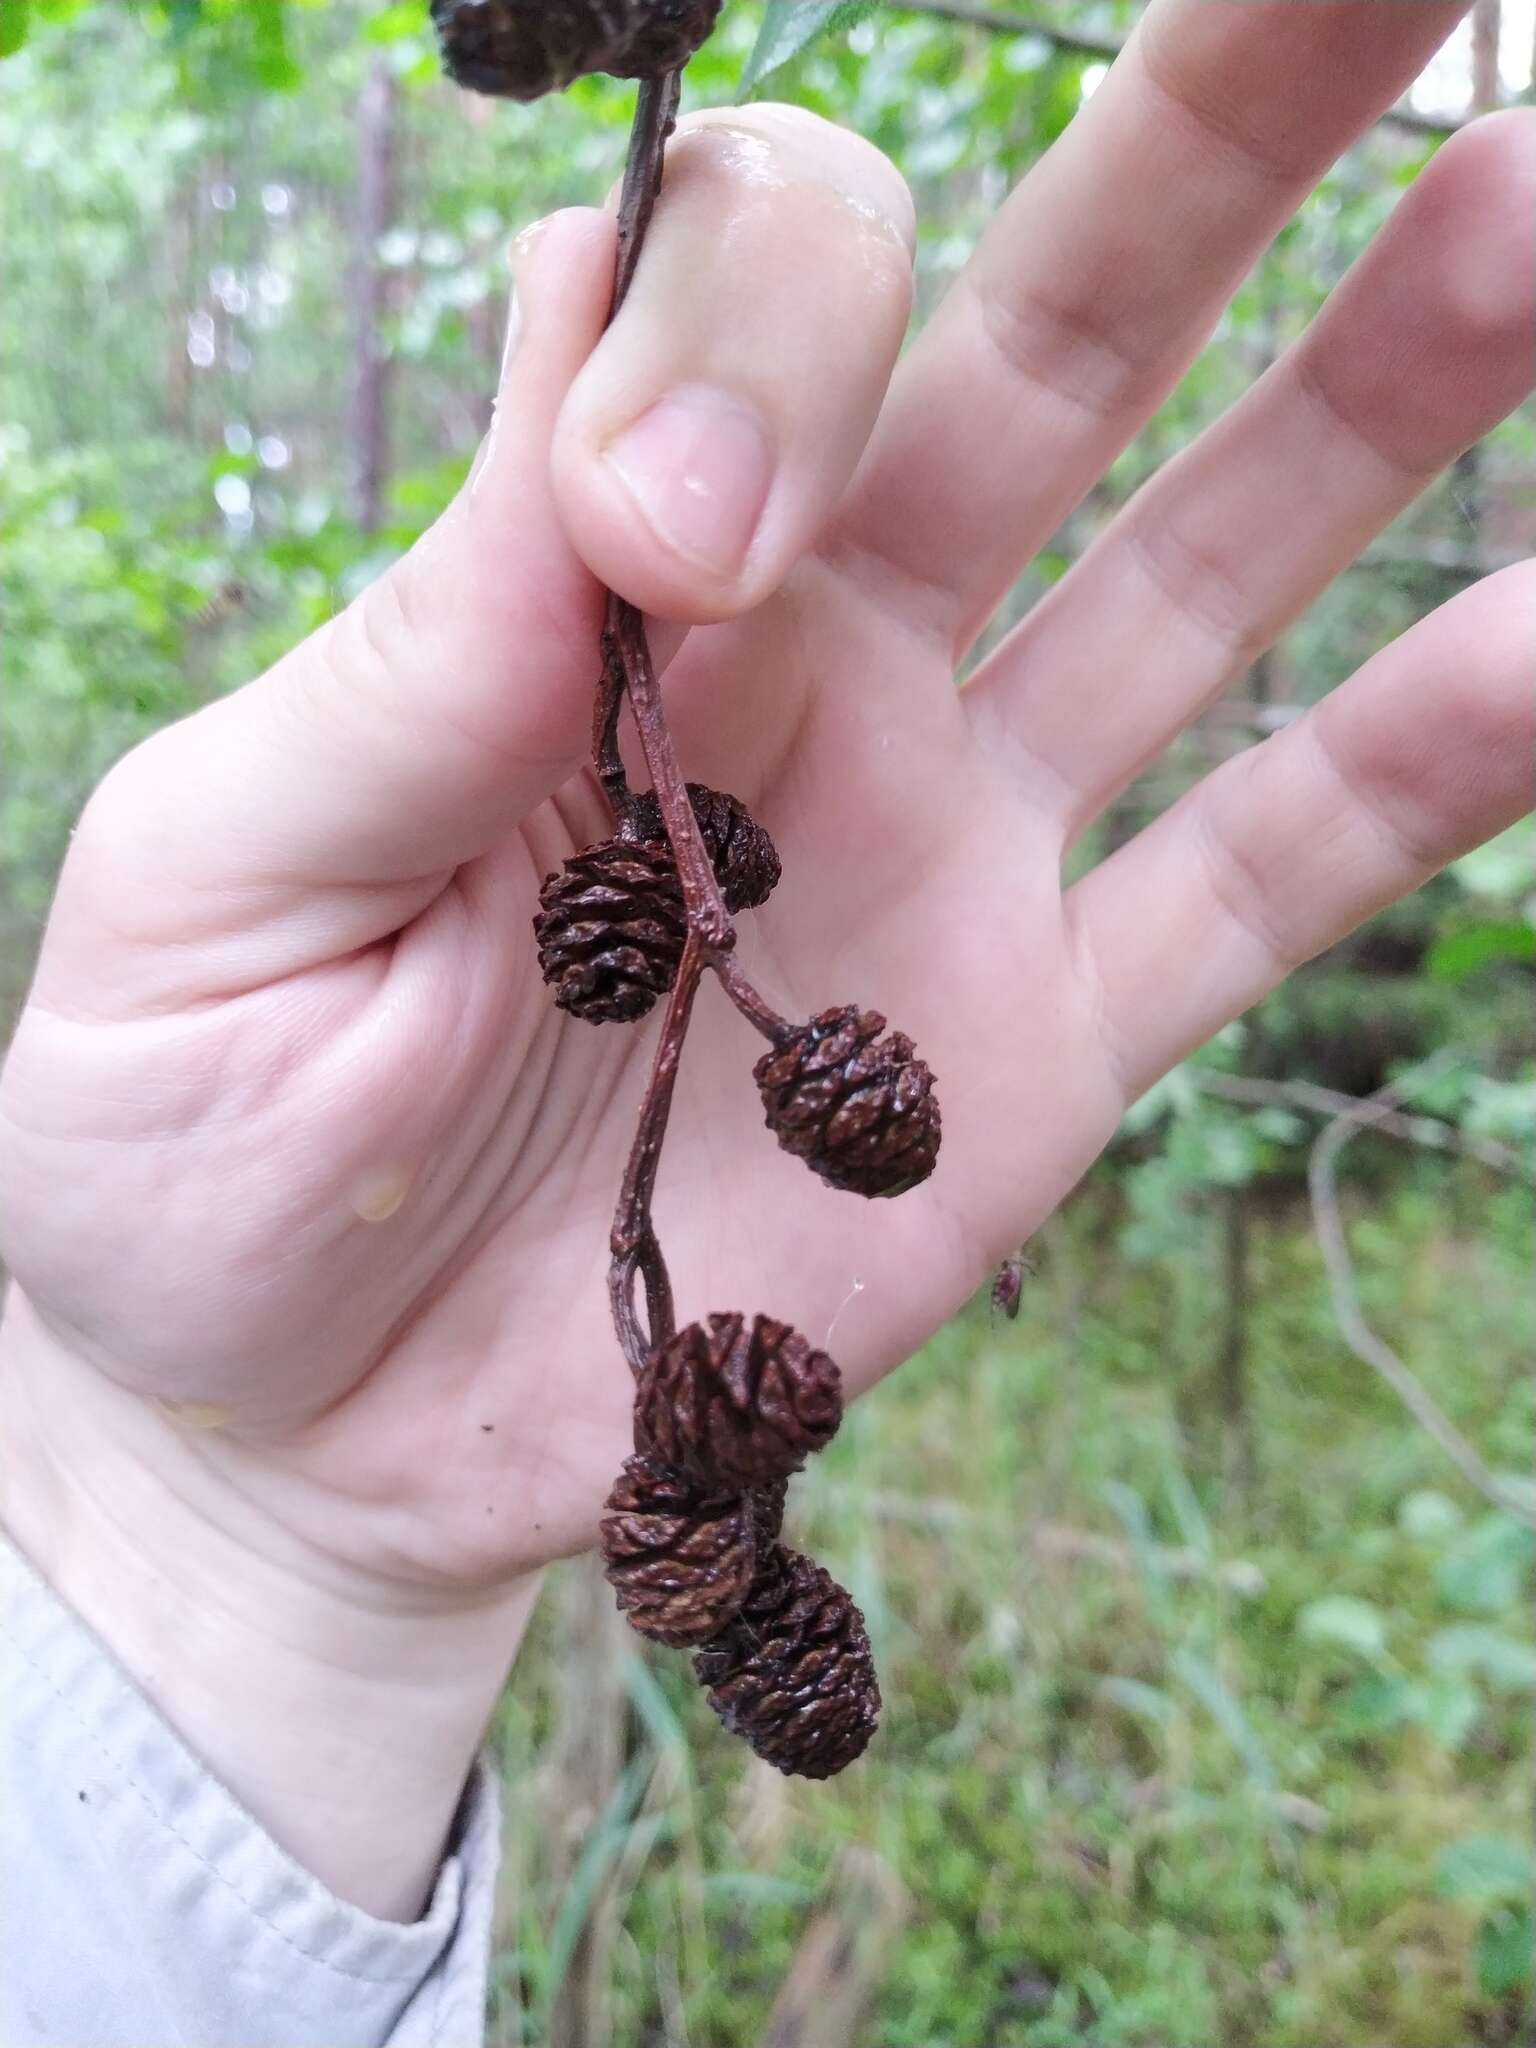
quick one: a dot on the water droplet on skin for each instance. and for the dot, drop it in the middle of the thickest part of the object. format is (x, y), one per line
(378, 1193)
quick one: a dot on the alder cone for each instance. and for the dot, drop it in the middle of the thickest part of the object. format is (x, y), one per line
(744, 858)
(793, 1675)
(610, 931)
(859, 1109)
(737, 1405)
(680, 1561)
(521, 49)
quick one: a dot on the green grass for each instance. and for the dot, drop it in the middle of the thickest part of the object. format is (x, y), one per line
(1166, 1761)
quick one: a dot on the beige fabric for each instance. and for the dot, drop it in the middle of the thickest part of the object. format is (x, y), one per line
(141, 1907)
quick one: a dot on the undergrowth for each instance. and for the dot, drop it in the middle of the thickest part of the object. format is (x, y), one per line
(1170, 1758)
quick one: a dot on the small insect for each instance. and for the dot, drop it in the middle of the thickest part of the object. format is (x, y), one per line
(1008, 1287)
(231, 596)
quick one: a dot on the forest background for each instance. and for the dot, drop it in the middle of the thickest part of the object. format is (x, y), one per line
(1209, 1657)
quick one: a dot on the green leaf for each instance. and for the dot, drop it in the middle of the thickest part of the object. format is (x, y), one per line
(1447, 1710)
(13, 25)
(1463, 951)
(394, 24)
(1504, 1944)
(1483, 1571)
(1376, 1705)
(1345, 1623)
(1472, 1647)
(790, 26)
(1428, 1515)
(1213, 1693)
(1492, 1867)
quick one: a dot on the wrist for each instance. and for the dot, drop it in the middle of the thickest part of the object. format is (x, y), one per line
(342, 1710)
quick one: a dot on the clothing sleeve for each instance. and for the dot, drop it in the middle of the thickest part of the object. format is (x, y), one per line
(142, 1907)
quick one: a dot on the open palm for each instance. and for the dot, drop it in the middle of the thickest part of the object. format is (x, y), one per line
(294, 1139)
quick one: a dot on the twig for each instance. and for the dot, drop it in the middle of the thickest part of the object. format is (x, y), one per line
(759, 1014)
(1061, 1540)
(1322, 1183)
(655, 118)
(628, 672)
(1256, 717)
(1444, 557)
(633, 1242)
(1429, 1131)
(1106, 49)
(836, 1974)
(1006, 24)
(606, 758)
(707, 914)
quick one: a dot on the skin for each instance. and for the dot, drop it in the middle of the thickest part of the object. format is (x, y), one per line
(306, 1370)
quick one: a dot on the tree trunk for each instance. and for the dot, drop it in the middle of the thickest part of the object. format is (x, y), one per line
(375, 208)
(1468, 470)
(1485, 56)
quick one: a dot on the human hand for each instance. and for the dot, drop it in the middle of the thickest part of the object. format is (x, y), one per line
(307, 1185)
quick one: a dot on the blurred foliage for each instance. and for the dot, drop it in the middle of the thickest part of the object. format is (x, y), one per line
(1164, 1765)
(1130, 1805)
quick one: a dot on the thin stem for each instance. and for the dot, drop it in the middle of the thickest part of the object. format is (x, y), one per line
(758, 1013)
(633, 1241)
(707, 914)
(627, 670)
(1323, 1187)
(605, 721)
(655, 118)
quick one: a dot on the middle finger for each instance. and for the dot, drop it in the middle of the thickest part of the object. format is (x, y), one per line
(1105, 272)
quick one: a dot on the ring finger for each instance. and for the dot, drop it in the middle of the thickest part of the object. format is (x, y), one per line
(1104, 274)
(1424, 347)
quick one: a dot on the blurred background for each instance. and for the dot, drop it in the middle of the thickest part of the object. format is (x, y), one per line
(1200, 1590)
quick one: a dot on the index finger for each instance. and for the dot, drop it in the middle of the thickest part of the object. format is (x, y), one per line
(1105, 272)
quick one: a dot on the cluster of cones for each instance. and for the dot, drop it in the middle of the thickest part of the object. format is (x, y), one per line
(726, 1411)
(692, 1546)
(857, 1107)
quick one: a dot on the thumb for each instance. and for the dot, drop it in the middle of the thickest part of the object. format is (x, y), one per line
(323, 805)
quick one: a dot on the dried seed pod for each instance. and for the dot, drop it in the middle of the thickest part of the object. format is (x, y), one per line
(736, 1405)
(610, 931)
(520, 49)
(857, 1108)
(793, 1675)
(744, 858)
(679, 1560)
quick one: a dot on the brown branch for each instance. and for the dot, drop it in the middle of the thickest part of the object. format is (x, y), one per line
(1363, 1341)
(1258, 717)
(1005, 24)
(1470, 563)
(1486, 82)
(628, 672)
(1072, 1545)
(708, 917)
(606, 758)
(655, 118)
(633, 1241)
(1106, 49)
(1429, 1131)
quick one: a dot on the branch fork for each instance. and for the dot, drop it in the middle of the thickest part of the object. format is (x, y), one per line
(629, 674)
